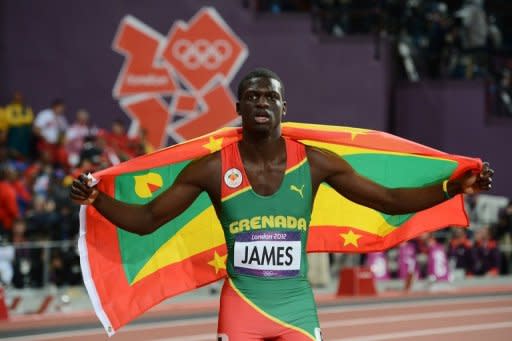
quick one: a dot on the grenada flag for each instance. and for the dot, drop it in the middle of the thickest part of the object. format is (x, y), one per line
(126, 274)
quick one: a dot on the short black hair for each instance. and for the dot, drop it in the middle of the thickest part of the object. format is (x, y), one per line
(56, 102)
(257, 73)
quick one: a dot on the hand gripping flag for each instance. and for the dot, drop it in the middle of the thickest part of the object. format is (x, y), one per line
(126, 274)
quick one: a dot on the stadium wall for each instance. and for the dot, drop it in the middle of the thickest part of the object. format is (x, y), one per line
(63, 49)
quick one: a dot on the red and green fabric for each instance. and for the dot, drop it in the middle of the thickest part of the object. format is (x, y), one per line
(273, 288)
(268, 312)
(126, 274)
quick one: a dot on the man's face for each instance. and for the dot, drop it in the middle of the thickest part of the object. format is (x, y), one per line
(18, 98)
(59, 109)
(82, 116)
(261, 104)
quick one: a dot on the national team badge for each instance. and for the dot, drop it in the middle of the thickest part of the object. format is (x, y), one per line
(233, 178)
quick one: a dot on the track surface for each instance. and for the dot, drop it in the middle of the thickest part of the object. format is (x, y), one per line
(450, 318)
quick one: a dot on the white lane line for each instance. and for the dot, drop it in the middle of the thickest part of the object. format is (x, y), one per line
(418, 316)
(366, 321)
(414, 304)
(198, 337)
(200, 321)
(101, 331)
(428, 332)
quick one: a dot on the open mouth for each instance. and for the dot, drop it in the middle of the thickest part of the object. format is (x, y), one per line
(261, 119)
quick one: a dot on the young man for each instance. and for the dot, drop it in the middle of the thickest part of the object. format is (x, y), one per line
(267, 295)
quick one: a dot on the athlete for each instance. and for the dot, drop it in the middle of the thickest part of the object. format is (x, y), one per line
(265, 179)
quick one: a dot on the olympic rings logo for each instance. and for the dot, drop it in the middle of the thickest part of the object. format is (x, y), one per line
(202, 52)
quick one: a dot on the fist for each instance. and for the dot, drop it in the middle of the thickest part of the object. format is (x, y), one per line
(80, 191)
(472, 183)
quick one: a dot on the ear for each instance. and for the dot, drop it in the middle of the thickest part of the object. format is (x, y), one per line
(284, 108)
(237, 107)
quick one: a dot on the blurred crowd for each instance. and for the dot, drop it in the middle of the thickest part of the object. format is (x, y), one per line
(40, 154)
(450, 39)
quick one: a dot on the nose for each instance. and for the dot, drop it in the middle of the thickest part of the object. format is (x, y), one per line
(262, 102)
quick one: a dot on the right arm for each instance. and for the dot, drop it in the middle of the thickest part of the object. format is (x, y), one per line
(144, 219)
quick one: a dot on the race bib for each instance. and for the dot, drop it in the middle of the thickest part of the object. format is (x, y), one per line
(268, 254)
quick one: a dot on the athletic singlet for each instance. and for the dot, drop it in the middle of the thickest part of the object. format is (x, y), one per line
(267, 293)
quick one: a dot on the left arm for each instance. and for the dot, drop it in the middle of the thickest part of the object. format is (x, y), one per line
(330, 168)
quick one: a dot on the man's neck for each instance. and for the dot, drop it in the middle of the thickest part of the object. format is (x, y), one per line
(266, 146)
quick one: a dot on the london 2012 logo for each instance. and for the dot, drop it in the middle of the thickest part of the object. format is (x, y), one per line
(178, 85)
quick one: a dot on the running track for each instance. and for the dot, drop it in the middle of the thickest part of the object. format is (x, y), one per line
(451, 317)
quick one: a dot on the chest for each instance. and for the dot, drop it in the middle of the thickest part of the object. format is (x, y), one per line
(265, 178)
(265, 194)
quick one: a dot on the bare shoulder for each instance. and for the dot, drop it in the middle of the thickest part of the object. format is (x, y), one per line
(201, 172)
(324, 163)
(322, 159)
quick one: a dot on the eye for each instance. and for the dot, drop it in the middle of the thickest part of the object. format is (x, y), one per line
(251, 96)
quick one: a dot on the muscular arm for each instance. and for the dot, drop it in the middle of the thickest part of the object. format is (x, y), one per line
(144, 219)
(330, 168)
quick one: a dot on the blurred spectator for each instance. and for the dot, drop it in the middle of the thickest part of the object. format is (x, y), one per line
(23, 192)
(474, 36)
(20, 117)
(118, 140)
(503, 232)
(65, 266)
(4, 158)
(97, 153)
(3, 127)
(9, 210)
(423, 244)
(470, 202)
(485, 254)
(474, 24)
(330, 16)
(142, 145)
(495, 38)
(42, 180)
(66, 210)
(318, 273)
(459, 251)
(503, 94)
(504, 226)
(49, 125)
(76, 135)
(91, 153)
(341, 17)
(33, 170)
(61, 156)
(42, 219)
(6, 260)
(28, 262)
(438, 26)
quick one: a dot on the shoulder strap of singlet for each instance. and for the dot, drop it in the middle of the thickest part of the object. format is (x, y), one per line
(232, 168)
(296, 153)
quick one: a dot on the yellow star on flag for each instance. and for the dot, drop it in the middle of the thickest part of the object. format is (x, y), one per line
(354, 132)
(214, 144)
(218, 262)
(350, 238)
